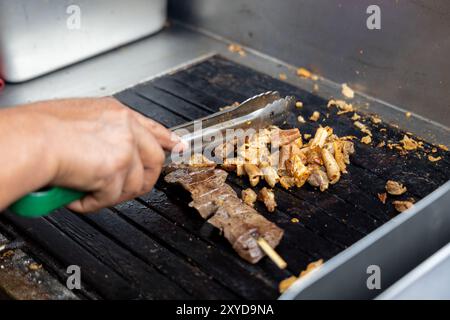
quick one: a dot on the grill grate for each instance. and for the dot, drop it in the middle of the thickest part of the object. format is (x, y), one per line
(158, 247)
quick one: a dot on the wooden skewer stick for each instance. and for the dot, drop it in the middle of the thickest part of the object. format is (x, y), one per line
(271, 253)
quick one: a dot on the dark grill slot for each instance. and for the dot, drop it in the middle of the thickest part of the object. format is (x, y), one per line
(158, 247)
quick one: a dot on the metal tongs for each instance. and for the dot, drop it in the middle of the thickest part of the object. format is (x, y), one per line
(257, 113)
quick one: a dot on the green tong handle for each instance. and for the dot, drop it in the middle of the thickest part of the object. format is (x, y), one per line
(43, 202)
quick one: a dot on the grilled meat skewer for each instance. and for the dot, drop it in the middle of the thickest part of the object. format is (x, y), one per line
(216, 201)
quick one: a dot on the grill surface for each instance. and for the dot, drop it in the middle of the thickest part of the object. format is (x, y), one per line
(158, 247)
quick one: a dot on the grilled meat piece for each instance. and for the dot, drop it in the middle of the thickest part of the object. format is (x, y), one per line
(281, 137)
(268, 197)
(249, 197)
(320, 137)
(269, 173)
(253, 173)
(333, 170)
(287, 182)
(348, 148)
(401, 206)
(297, 170)
(212, 197)
(318, 178)
(395, 188)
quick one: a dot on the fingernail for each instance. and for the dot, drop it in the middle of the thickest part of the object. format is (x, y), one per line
(180, 146)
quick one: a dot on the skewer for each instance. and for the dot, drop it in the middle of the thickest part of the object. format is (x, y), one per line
(271, 253)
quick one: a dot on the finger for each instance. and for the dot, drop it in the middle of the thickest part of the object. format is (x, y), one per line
(150, 178)
(134, 180)
(99, 199)
(150, 151)
(166, 138)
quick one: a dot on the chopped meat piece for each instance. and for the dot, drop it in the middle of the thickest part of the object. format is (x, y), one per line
(408, 143)
(315, 116)
(375, 119)
(254, 151)
(395, 188)
(287, 182)
(320, 137)
(333, 171)
(314, 156)
(268, 197)
(347, 91)
(348, 148)
(240, 170)
(280, 137)
(318, 178)
(401, 206)
(286, 283)
(249, 197)
(343, 106)
(366, 139)
(443, 147)
(382, 197)
(362, 127)
(234, 164)
(298, 170)
(285, 154)
(339, 156)
(434, 159)
(269, 173)
(253, 173)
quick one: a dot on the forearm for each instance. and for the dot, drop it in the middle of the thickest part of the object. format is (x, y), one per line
(26, 162)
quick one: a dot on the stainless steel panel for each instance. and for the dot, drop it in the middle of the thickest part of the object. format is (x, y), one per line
(43, 35)
(396, 248)
(405, 63)
(430, 280)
